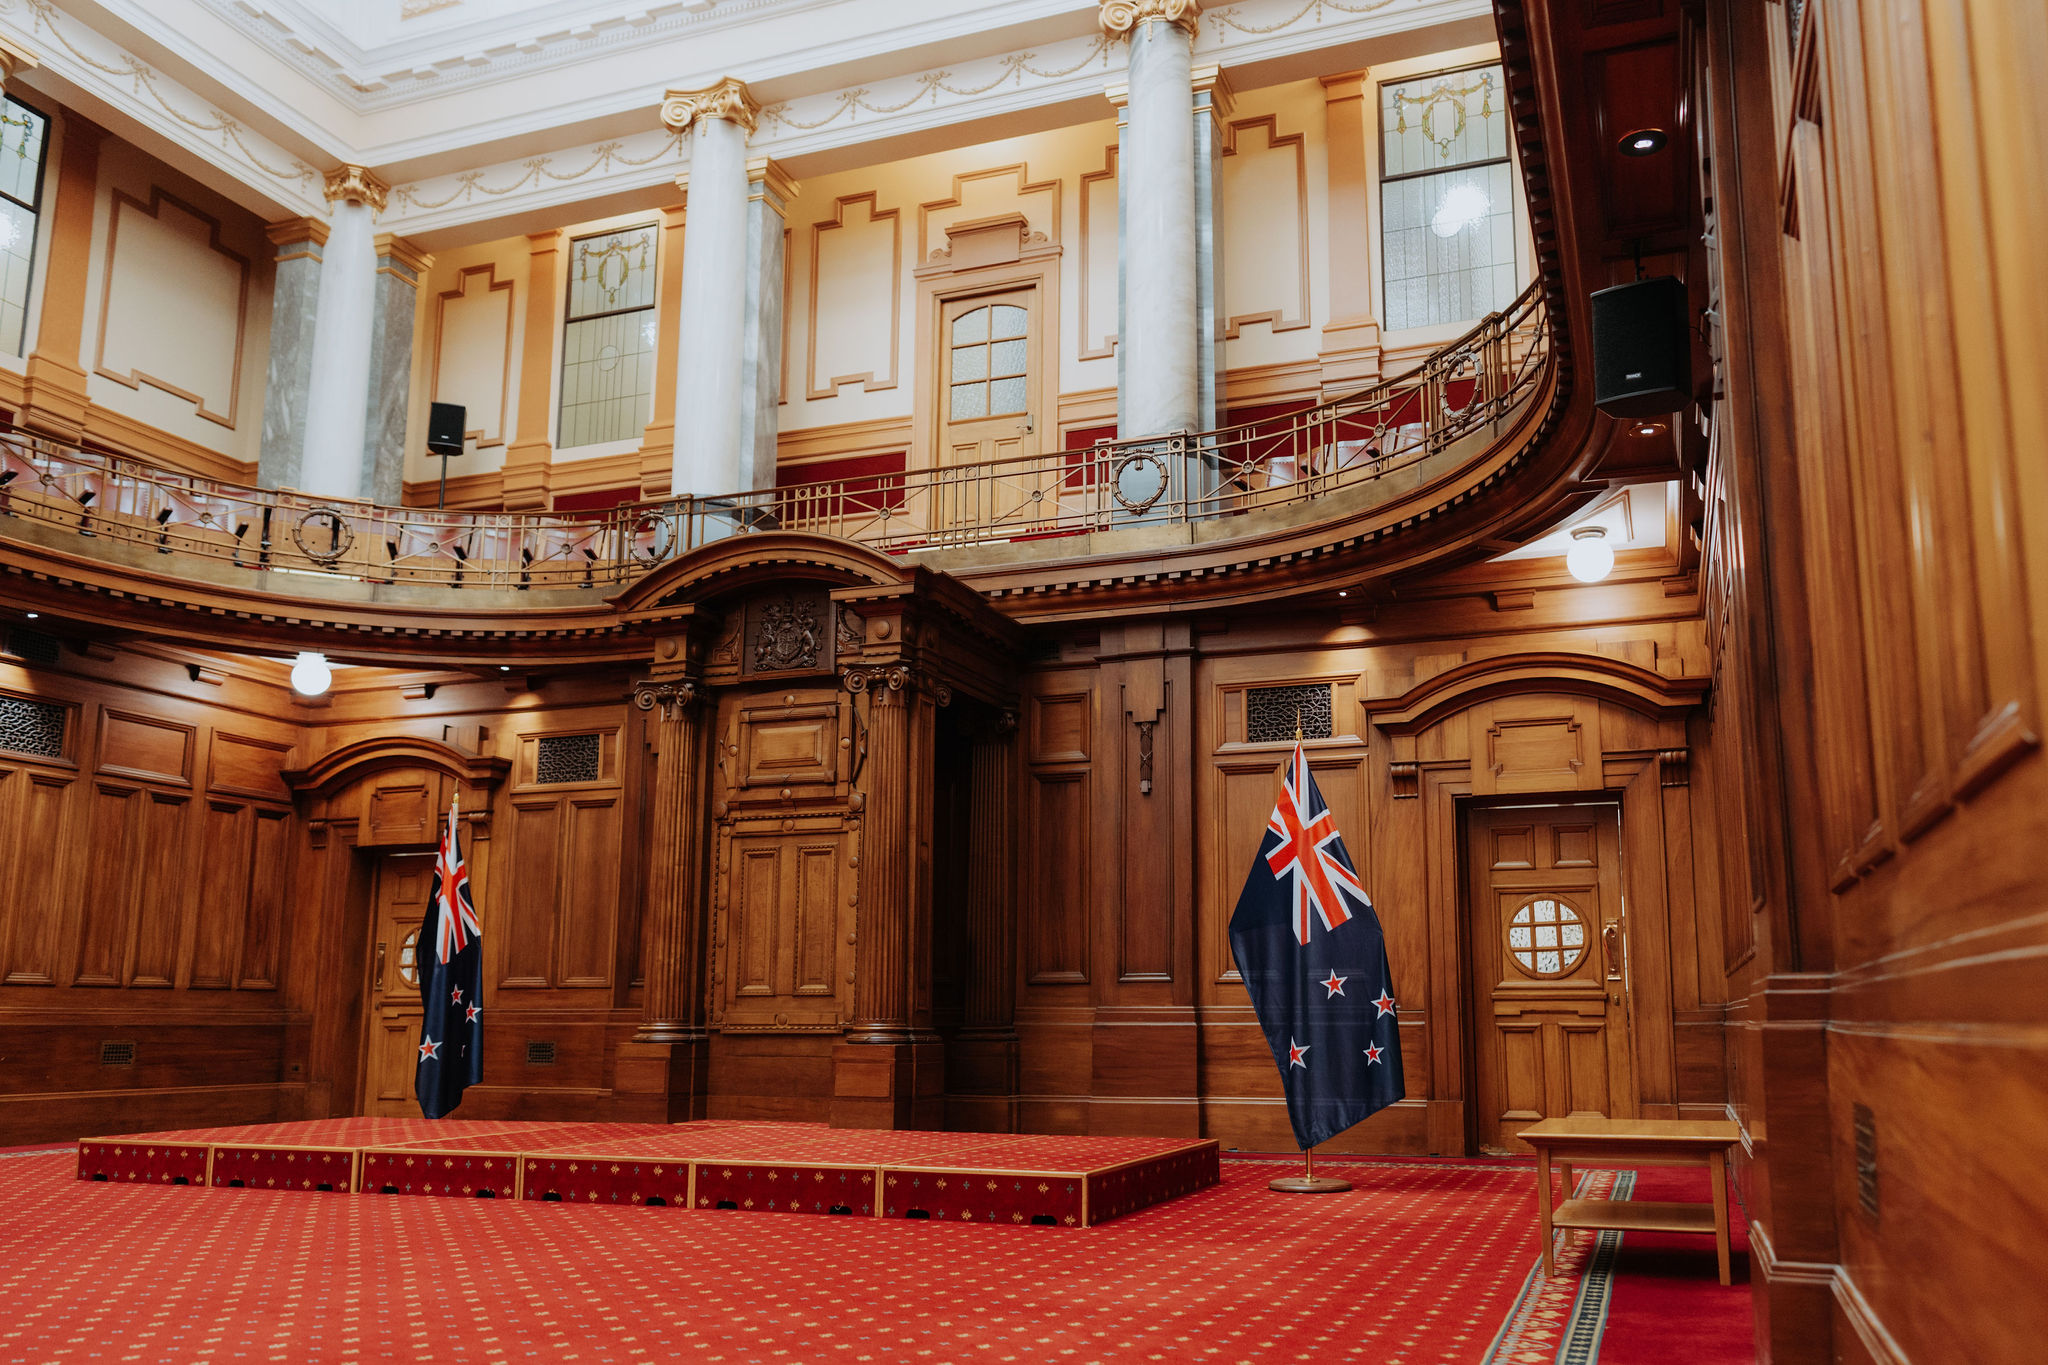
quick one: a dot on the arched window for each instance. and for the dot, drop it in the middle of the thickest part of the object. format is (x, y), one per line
(986, 362)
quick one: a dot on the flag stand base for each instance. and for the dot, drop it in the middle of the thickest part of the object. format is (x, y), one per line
(1308, 1182)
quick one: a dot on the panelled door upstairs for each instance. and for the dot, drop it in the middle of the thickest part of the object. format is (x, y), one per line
(403, 883)
(990, 361)
(1550, 1020)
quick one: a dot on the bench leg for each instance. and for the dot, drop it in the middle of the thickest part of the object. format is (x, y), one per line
(1543, 1204)
(1717, 1175)
(1566, 1186)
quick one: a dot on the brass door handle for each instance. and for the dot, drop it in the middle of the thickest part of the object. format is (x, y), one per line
(1610, 939)
(377, 980)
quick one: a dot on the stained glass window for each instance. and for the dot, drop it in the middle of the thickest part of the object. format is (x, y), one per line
(23, 133)
(1447, 216)
(608, 344)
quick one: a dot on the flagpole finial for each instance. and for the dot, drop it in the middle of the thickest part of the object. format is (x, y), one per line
(1297, 722)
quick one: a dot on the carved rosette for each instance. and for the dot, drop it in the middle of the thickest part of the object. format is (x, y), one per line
(669, 694)
(1121, 17)
(356, 185)
(726, 100)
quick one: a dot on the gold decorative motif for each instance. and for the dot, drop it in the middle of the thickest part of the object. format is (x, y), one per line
(1437, 97)
(357, 185)
(1124, 16)
(726, 100)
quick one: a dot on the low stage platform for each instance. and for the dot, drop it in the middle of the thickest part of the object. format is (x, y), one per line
(1014, 1178)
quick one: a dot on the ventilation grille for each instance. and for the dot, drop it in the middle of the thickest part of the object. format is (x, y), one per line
(31, 727)
(567, 758)
(1270, 713)
(117, 1054)
(1866, 1161)
(540, 1053)
(32, 646)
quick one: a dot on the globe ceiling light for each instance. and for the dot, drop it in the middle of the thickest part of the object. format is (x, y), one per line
(1590, 558)
(311, 673)
(1461, 207)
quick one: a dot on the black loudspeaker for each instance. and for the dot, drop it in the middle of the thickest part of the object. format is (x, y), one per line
(444, 428)
(1642, 348)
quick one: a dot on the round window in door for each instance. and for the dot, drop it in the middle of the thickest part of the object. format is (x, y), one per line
(409, 959)
(1546, 937)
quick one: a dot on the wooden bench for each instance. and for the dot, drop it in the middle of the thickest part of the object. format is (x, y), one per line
(1601, 1141)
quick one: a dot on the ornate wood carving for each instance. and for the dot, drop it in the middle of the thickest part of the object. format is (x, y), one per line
(786, 632)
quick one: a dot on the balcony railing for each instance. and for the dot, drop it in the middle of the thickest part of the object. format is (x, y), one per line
(1464, 387)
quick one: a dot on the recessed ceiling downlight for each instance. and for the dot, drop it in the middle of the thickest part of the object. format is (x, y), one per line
(1643, 142)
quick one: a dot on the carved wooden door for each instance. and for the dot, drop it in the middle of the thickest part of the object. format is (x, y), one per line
(393, 1008)
(1550, 1020)
(784, 881)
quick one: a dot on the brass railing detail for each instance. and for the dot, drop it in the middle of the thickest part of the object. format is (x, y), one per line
(1473, 382)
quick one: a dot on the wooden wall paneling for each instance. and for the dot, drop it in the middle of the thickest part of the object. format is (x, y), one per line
(1059, 847)
(41, 810)
(148, 748)
(226, 837)
(106, 911)
(534, 837)
(587, 901)
(159, 888)
(1979, 67)
(266, 901)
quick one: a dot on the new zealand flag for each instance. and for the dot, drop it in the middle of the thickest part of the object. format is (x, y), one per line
(1312, 956)
(451, 958)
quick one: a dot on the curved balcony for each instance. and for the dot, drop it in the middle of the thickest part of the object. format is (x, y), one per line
(1391, 454)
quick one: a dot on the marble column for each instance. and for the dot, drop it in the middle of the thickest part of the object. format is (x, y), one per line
(337, 409)
(711, 400)
(294, 311)
(769, 191)
(400, 268)
(1158, 331)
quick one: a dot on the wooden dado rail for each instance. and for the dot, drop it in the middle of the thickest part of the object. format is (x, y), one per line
(1468, 384)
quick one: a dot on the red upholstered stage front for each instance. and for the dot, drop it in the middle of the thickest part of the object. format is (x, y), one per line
(765, 1167)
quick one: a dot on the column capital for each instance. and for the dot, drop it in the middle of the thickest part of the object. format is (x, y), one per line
(357, 185)
(893, 681)
(1120, 17)
(15, 58)
(671, 695)
(728, 100)
(296, 232)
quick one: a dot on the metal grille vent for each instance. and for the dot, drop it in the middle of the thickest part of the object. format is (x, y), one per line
(567, 758)
(540, 1053)
(1270, 712)
(31, 727)
(32, 646)
(1866, 1160)
(117, 1054)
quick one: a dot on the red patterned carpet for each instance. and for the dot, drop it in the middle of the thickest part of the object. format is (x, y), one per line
(1425, 1261)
